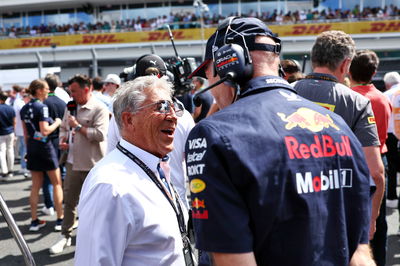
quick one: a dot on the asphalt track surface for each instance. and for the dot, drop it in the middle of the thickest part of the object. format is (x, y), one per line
(15, 192)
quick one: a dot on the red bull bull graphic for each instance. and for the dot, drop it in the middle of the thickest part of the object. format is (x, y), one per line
(196, 203)
(308, 119)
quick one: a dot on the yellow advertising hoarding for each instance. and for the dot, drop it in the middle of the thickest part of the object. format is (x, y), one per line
(295, 30)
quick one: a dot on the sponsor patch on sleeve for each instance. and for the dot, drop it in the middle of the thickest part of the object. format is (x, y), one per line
(371, 119)
(328, 106)
(197, 185)
(45, 112)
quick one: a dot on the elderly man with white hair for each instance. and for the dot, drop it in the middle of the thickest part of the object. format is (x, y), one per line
(129, 212)
(392, 84)
(391, 79)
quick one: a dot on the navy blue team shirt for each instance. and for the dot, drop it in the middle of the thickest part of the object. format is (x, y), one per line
(7, 115)
(56, 110)
(32, 113)
(279, 176)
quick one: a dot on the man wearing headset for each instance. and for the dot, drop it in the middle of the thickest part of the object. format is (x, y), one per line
(274, 178)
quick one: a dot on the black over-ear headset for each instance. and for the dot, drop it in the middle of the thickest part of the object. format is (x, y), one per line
(231, 59)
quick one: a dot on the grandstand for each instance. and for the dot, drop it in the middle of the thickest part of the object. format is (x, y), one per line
(94, 36)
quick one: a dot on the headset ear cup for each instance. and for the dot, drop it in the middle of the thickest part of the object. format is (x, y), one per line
(230, 59)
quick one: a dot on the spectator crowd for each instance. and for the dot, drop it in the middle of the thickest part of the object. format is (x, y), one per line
(101, 144)
(185, 20)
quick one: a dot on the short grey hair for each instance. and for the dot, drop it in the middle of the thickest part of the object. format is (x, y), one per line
(391, 78)
(131, 95)
(331, 48)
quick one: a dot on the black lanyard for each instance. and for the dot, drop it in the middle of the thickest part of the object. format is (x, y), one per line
(153, 177)
(187, 250)
(321, 77)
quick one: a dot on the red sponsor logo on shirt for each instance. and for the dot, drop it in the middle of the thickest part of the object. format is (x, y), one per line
(323, 146)
(200, 214)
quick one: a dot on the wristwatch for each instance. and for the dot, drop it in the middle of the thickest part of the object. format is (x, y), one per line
(78, 127)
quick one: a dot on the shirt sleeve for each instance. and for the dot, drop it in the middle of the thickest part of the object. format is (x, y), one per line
(396, 114)
(44, 114)
(104, 227)
(113, 135)
(365, 126)
(220, 215)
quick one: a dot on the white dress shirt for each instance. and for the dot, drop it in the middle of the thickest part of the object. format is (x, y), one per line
(124, 218)
(18, 104)
(62, 94)
(177, 156)
(390, 95)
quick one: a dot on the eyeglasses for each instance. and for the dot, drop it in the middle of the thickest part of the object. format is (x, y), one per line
(164, 107)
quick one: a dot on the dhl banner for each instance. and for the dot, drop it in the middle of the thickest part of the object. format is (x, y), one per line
(365, 27)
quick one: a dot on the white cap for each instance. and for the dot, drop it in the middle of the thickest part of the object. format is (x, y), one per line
(112, 78)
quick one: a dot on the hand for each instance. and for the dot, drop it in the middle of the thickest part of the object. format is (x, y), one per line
(372, 229)
(63, 144)
(72, 122)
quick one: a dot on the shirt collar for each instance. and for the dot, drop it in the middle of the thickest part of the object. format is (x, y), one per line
(322, 76)
(89, 104)
(265, 83)
(147, 158)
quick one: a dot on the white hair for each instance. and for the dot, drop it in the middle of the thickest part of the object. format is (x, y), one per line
(132, 94)
(391, 78)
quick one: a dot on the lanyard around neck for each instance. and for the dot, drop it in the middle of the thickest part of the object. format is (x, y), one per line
(321, 77)
(153, 177)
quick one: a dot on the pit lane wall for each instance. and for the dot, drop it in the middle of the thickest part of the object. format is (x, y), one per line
(292, 30)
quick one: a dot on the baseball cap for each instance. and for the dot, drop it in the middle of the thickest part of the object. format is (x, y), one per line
(248, 28)
(113, 78)
(144, 63)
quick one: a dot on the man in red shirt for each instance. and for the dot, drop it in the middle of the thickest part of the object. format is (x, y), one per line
(362, 69)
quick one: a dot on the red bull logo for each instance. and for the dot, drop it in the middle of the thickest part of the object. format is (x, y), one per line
(196, 203)
(308, 119)
(199, 214)
(323, 146)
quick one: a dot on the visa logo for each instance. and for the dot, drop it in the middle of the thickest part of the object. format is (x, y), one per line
(197, 143)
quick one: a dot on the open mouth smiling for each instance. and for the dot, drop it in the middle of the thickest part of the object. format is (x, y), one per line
(168, 131)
